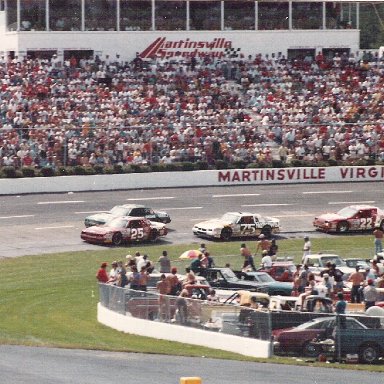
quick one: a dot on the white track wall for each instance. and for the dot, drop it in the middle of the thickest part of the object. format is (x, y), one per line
(242, 345)
(191, 179)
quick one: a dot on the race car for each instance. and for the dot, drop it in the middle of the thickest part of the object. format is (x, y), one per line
(237, 224)
(351, 218)
(123, 230)
(127, 210)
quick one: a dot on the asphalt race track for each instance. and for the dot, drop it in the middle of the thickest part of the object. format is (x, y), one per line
(48, 223)
(61, 366)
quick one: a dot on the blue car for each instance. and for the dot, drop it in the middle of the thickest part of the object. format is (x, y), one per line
(273, 287)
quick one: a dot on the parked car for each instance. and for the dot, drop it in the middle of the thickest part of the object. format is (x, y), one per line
(281, 270)
(134, 210)
(300, 339)
(318, 262)
(237, 224)
(350, 218)
(124, 229)
(273, 287)
(354, 262)
(225, 278)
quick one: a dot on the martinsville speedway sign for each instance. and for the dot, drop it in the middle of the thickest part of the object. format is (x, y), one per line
(300, 175)
(127, 181)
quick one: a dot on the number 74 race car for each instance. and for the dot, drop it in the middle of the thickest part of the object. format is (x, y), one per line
(237, 224)
(123, 230)
(351, 218)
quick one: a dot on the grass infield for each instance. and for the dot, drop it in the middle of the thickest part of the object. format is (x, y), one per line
(50, 300)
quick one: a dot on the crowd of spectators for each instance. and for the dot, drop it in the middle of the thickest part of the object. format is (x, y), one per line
(93, 112)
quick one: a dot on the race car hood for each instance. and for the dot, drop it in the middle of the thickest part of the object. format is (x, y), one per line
(330, 217)
(98, 230)
(213, 223)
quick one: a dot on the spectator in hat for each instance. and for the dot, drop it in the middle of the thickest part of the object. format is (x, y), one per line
(266, 260)
(113, 273)
(102, 274)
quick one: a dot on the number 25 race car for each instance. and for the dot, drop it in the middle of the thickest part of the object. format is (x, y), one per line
(237, 224)
(351, 218)
(123, 230)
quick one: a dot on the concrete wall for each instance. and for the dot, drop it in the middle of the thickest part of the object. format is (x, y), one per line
(191, 179)
(242, 345)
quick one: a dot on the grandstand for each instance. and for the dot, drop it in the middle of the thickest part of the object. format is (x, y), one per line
(121, 29)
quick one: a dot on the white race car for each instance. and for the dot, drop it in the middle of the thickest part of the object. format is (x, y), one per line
(237, 224)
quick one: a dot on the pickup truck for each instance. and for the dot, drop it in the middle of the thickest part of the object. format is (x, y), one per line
(367, 343)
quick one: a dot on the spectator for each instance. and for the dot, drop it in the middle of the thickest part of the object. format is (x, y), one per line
(165, 263)
(266, 260)
(263, 244)
(163, 288)
(173, 282)
(113, 273)
(143, 278)
(370, 294)
(357, 279)
(272, 251)
(134, 279)
(102, 275)
(196, 265)
(181, 314)
(378, 235)
(306, 248)
(340, 308)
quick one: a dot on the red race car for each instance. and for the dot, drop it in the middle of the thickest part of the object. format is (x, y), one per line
(351, 218)
(124, 229)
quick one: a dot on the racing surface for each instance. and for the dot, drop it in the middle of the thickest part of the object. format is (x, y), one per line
(49, 223)
(50, 365)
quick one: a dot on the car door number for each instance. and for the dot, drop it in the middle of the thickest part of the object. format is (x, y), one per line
(366, 223)
(249, 228)
(137, 233)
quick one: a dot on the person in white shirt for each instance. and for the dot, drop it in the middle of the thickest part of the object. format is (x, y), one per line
(266, 260)
(306, 248)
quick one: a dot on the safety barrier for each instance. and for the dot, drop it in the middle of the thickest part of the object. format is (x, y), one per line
(227, 177)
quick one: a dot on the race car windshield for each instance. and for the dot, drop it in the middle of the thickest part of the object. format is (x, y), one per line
(229, 274)
(347, 212)
(230, 217)
(118, 211)
(332, 259)
(118, 223)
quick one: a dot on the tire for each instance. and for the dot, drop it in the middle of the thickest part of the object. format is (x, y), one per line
(342, 227)
(310, 350)
(267, 231)
(382, 225)
(369, 354)
(226, 234)
(153, 235)
(117, 238)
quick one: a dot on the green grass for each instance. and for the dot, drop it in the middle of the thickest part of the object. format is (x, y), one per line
(50, 300)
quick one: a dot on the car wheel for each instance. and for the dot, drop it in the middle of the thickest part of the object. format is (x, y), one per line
(369, 354)
(310, 350)
(226, 234)
(266, 231)
(117, 238)
(342, 227)
(153, 235)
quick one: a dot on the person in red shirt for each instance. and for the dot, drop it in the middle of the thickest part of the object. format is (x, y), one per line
(102, 274)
